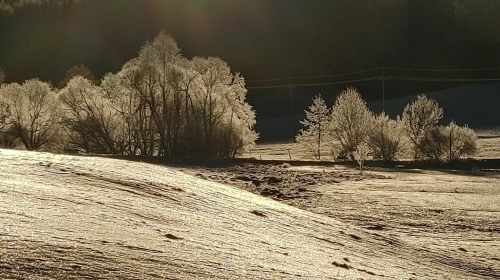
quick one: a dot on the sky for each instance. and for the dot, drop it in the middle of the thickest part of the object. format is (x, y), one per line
(262, 39)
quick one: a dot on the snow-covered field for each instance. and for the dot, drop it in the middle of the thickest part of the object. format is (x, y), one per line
(64, 217)
(489, 147)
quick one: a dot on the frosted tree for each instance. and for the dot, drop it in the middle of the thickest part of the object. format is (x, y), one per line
(419, 117)
(31, 112)
(221, 111)
(4, 108)
(127, 92)
(173, 106)
(360, 154)
(351, 122)
(130, 109)
(154, 76)
(89, 119)
(238, 129)
(316, 127)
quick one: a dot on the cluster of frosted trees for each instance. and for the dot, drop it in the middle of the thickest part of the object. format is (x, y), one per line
(159, 103)
(350, 130)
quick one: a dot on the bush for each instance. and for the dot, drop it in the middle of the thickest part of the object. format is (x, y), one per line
(461, 141)
(448, 143)
(432, 144)
(387, 138)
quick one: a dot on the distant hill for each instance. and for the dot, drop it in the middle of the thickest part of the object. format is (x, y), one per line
(475, 105)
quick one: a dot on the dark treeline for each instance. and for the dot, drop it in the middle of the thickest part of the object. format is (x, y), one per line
(265, 40)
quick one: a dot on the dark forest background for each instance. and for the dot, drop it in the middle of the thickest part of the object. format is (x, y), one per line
(265, 39)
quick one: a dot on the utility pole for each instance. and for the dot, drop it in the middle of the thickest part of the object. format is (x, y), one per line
(291, 105)
(383, 91)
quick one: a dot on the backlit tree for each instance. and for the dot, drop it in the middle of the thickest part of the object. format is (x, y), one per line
(317, 126)
(351, 122)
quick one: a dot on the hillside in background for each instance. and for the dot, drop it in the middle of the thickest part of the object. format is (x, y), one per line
(475, 105)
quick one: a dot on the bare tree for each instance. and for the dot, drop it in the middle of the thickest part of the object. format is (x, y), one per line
(317, 127)
(31, 109)
(351, 122)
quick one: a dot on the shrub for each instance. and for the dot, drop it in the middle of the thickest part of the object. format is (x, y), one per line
(387, 138)
(448, 143)
(432, 144)
(461, 141)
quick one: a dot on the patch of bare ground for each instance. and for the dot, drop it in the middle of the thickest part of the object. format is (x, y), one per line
(68, 217)
(452, 218)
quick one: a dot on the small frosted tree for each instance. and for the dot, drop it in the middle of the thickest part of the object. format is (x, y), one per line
(360, 154)
(351, 122)
(419, 117)
(316, 127)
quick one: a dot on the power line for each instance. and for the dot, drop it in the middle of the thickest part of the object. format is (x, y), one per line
(316, 84)
(316, 77)
(379, 78)
(372, 69)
